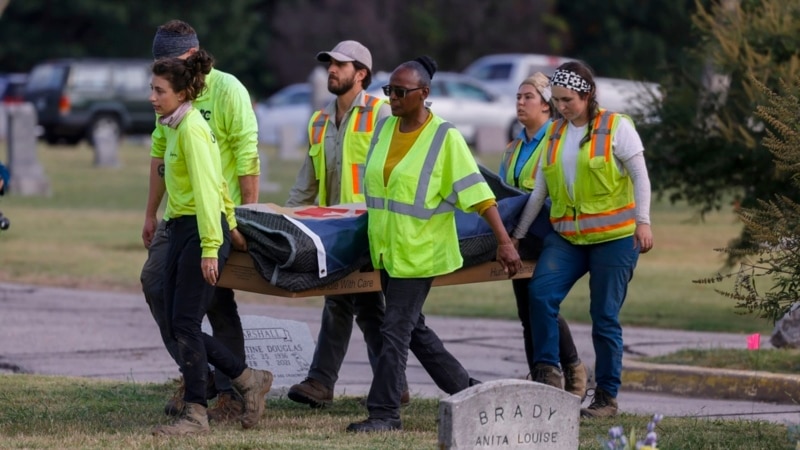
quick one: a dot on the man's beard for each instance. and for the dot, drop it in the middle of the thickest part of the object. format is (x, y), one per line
(343, 87)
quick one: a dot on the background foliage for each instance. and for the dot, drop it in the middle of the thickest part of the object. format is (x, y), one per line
(270, 43)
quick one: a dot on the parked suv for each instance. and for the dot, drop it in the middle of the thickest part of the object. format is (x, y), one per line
(78, 98)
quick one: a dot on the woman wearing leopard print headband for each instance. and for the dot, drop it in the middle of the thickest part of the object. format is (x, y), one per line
(593, 169)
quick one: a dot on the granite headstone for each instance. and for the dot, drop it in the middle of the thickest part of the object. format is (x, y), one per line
(28, 177)
(284, 347)
(509, 414)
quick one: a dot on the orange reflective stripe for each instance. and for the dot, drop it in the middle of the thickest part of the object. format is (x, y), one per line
(318, 127)
(604, 123)
(363, 122)
(555, 136)
(609, 126)
(355, 175)
(595, 223)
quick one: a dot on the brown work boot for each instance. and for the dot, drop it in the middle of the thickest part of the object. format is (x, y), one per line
(193, 420)
(547, 374)
(603, 405)
(405, 398)
(174, 406)
(229, 408)
(576, 376)
(312, 393)
(253, 385)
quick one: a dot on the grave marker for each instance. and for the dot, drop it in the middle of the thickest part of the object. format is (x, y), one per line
(284, 347)
(509, 414)
(27, 174)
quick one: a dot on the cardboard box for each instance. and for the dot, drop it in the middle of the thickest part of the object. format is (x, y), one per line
(240, 273)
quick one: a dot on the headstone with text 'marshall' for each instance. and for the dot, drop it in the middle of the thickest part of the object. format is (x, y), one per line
(284, 347)
(509, 414)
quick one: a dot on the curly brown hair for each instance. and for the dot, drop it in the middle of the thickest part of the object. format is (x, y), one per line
(186, 75)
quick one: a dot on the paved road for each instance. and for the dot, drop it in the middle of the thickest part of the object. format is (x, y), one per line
(111, 335)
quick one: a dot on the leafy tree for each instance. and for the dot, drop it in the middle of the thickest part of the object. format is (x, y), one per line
(707, 147)
(34, 30)
(628, 38)
(768, 280)
(454, 32)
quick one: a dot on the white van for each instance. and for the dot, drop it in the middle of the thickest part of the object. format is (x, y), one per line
(503, 73)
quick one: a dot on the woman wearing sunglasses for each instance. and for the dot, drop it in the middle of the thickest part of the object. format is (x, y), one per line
(419, 170)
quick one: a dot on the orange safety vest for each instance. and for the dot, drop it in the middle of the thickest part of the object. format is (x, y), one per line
(361, 124)
(602, 207)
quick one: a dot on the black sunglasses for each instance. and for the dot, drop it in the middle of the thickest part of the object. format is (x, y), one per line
(400, 92)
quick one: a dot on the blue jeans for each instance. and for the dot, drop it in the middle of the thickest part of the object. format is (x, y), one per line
(336, 328)
(568, 352)
(403, 329)
(610, 266)
(223, 314)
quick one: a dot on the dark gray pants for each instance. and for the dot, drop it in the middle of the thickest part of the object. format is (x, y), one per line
(223, 314)
(187, 297)
(337, 327)
(404, 329)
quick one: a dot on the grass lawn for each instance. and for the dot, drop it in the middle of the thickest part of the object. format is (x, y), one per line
(59, 412)
(88, 234)
(768, 360)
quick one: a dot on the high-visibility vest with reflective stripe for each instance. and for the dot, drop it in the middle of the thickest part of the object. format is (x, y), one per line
(527, 176)
(360, 126)
(412, 229)
(603, 207)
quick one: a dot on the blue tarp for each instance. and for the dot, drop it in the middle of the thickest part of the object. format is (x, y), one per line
(288, 258)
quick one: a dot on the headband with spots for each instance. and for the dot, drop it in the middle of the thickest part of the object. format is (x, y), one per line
(570, 80)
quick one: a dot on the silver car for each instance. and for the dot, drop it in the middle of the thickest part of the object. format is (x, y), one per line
(455, 97)
(465, 102)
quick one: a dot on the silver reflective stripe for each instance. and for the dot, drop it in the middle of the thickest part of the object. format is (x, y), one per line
(601, 129)
(320, 122)
(317, 127)
(376, 136)
(509, 155)
(467, 182)
(606, 221)
(418, 209)
(430, 162)
(565, 226)
(558, 125)
(363, 124)
(373, 202)
(590, 223)
(361, 168)
(372, 143)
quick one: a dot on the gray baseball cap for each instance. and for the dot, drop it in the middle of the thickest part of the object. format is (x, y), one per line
(348, 51)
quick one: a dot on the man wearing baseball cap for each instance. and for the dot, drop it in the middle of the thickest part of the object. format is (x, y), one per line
(339, 135)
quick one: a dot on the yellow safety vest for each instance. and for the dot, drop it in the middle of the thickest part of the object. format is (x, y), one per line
(603, 207)
(412, 227)
(527, 176)
(357, 136)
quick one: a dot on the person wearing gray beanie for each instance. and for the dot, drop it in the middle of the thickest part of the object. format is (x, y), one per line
(172, 44)
(225, 104)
